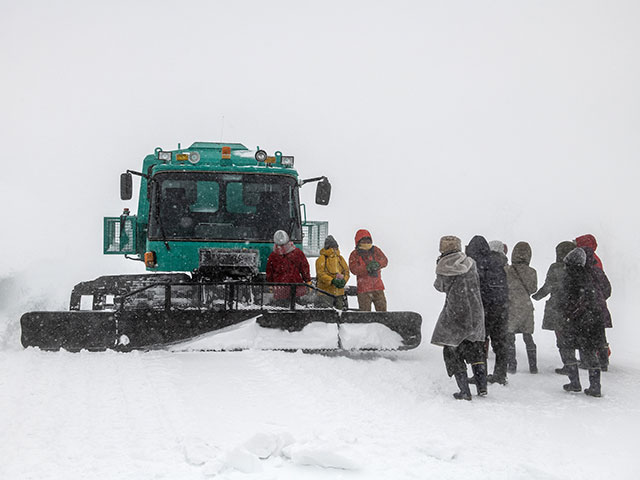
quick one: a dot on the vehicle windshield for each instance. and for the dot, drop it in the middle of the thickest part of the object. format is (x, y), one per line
(220, 206)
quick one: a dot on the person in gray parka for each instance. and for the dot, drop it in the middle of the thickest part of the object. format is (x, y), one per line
(553, 310)
(460, 326)
(522, 281)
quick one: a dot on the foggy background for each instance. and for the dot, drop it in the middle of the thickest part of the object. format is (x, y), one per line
(513, 120)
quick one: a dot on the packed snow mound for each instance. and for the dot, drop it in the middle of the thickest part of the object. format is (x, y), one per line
(362, 336)
(249, 335)
(273, 449)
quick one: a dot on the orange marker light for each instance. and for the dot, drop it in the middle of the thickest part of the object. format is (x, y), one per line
(226, 153)
(150, 259)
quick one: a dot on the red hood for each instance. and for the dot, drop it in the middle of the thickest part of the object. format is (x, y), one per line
(587, 240)
(360, 234)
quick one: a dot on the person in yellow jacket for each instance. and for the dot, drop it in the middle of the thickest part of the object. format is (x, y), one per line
(332, 271)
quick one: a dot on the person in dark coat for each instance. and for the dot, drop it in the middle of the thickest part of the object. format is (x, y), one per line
(366, 263)
(589, 241)
(287, 264)
(584, 319)
(553, 311)
(522, 281)
(460, 326)
(493, 289)
(604, 292)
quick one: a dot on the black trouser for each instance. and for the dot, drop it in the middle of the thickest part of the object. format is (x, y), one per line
(467, 351)
(588, 343)
(495, 316)
(511, 341)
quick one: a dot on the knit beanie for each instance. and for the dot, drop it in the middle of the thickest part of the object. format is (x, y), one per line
(280, 237)
(496, 246)
(449, 244)
(577, 256)
(330, 242)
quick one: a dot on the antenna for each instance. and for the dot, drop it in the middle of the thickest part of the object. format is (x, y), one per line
(222, 129)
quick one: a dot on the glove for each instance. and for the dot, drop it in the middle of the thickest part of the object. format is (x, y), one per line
(373, 266)
(338, 282)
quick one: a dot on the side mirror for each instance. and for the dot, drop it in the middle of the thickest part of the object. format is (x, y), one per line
(126, 186)
(323, 192)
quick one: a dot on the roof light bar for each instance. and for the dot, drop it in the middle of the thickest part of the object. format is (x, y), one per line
(287, 161)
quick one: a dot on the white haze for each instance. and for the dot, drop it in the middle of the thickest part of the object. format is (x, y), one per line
(513, 120)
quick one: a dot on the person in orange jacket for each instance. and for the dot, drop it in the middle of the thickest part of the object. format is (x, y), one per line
(366, 263)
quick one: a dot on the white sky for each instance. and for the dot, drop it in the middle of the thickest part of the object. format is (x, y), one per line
(514, 120)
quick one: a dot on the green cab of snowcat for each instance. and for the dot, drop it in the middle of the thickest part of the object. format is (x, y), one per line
(212, 196)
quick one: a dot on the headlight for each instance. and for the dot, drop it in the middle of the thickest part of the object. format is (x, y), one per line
(164, 156)
(261, 156)
(194, 157)
(287, 161)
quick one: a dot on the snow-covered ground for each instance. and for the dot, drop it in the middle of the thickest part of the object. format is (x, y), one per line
(257, 414)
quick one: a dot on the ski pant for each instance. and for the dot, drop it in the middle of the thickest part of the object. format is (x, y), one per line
(511, 342)
(455, 357)
(495, 316)
(377, 297)
(588, 345)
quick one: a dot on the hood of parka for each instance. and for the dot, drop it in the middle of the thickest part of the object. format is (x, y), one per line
(362, 233)
(456, 263)
(587, 240)
(562, 249)
(478, 248)
(521, 253)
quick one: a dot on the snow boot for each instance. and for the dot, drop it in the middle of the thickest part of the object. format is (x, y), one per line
(480, 377)
(594, 389)
(499, 375)
(463, 385)
(533, 360)
(574, 379)
(562, 371)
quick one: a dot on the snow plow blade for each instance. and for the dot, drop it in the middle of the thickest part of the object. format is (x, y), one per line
(322, 329)
(183, 315)
(356, 330)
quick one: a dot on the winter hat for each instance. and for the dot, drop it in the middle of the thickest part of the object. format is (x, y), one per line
(496, 246)
(280, 237)
(330, 242)
(449, 244)
(577, 256)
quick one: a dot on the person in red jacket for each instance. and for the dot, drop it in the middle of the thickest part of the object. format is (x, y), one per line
(365, 262)
(287, 264)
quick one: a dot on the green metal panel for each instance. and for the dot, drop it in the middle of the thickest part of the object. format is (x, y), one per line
(183, 256)
(120, 235)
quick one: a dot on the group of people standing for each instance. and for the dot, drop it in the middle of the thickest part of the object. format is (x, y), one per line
(488, 302)
(288, 264)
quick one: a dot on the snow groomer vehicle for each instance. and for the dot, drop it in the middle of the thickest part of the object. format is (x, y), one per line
(204, 227)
